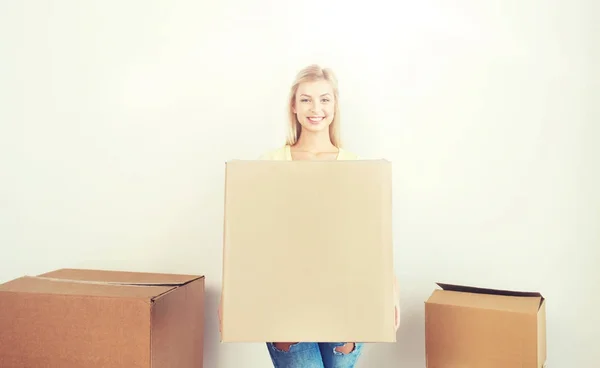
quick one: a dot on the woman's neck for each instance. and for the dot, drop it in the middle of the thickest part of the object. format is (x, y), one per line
(315, 142)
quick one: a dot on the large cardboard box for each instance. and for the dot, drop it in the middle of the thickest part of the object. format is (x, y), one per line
(472, 327)
(308, 251)
(73, 318)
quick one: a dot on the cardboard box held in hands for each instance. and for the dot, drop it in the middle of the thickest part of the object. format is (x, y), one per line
(73, 318)
(308, 251)
(477, 327)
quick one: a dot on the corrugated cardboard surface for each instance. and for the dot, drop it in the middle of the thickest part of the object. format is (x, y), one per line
(177, 328)
(475, 327)
(87, 318)
(308, 251)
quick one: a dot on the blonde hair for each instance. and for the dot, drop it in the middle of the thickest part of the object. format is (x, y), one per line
(313, 73)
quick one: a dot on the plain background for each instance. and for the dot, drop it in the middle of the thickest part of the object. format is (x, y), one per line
(117, 118)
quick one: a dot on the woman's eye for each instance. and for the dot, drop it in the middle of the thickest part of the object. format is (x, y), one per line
(325, 100)
(304, 100)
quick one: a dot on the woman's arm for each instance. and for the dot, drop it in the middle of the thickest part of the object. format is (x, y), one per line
(220, 314)
(396, 303)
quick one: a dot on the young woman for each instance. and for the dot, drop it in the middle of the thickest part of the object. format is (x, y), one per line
(314, 134)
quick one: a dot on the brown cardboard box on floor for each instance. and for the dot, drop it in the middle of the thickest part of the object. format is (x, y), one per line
(308, 251)
(476, 327)
(73, 318)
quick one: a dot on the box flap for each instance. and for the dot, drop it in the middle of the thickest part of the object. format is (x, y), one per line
(120, 277)
(486, 298)
(479, 290)
(39, 285)
(98, 283)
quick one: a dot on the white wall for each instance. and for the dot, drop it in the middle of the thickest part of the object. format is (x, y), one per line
(117, 117)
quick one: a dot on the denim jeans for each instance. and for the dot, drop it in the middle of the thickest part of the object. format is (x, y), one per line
(314, 355)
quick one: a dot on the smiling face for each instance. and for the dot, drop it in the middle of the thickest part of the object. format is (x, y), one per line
(314, 105)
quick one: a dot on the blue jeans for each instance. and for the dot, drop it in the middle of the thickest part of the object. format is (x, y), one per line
(314, 355)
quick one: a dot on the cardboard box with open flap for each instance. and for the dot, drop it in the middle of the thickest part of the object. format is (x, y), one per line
(475, 327)
(95, 318)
